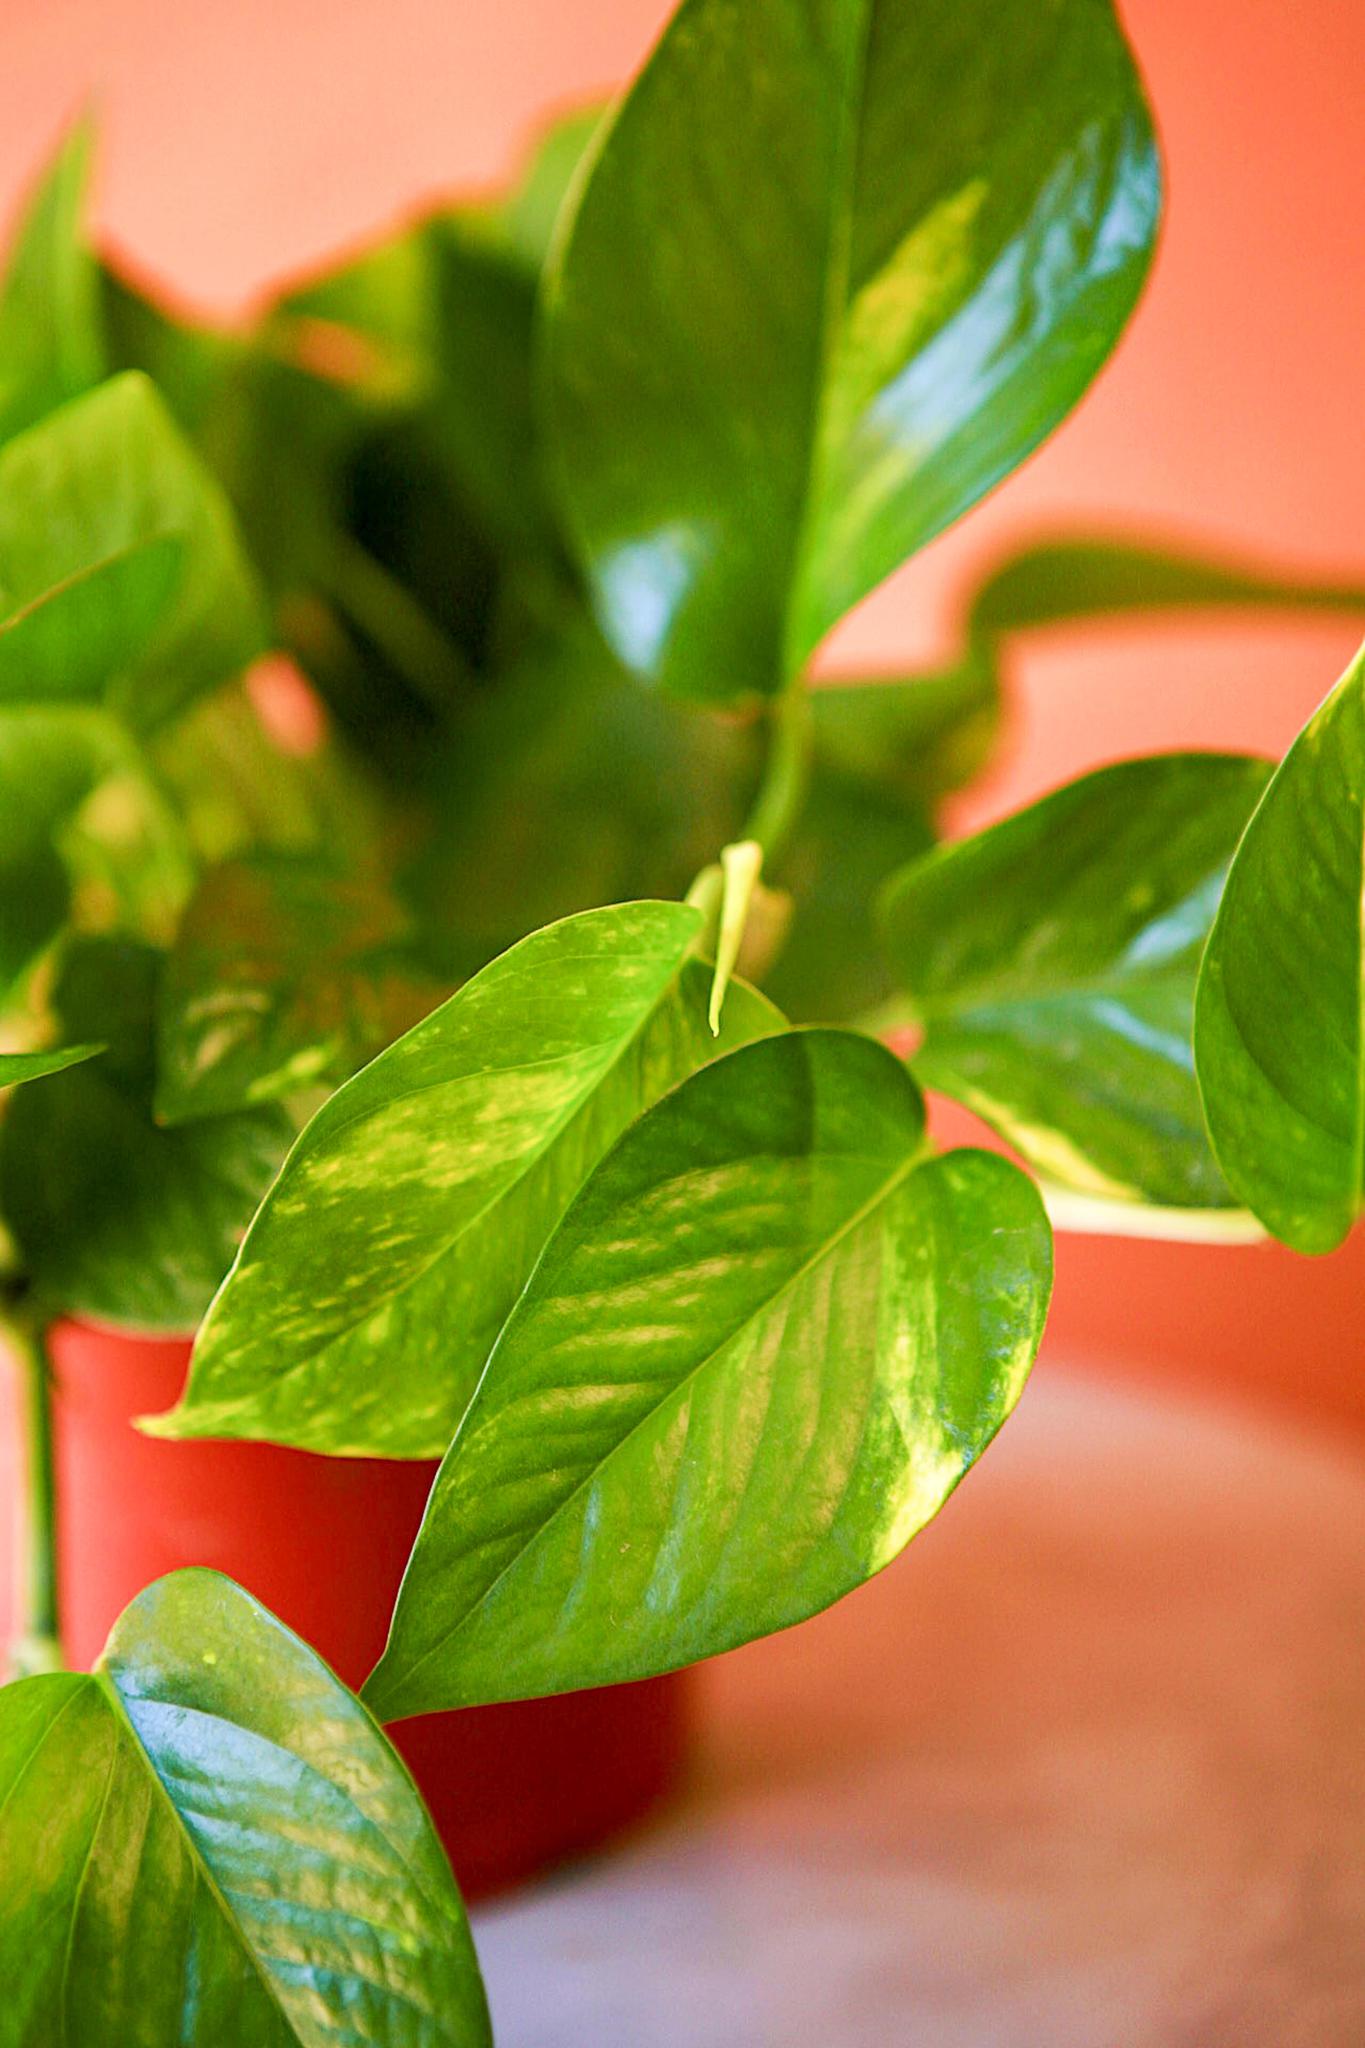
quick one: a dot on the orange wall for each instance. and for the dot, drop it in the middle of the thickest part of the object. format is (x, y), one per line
(244, 138)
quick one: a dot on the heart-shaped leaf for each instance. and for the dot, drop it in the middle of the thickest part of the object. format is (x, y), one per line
(768, 1339)
(115, 1218)
(285, 973)
(1279, 1036)
(1052, 960)
(838, 266)
(120, 572)
(51, 343)
(208, 1841)
(384, 1261)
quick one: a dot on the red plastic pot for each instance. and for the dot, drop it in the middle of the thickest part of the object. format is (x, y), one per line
(323, 1541)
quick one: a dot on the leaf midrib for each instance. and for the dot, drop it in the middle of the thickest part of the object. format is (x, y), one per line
(808, 1265)
(838, 255)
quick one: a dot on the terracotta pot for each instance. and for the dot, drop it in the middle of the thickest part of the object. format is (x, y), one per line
(323, 1541)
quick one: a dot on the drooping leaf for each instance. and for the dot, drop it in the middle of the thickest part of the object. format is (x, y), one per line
(51, 346)
(34, 1066)
(120, 572)
(1077, 578)
(838, 267)
(1052, 959)
(1279, 1036)
(116, 1219)
(768, 1339)
(208, 1841)
(285, 973)
(384, 1262)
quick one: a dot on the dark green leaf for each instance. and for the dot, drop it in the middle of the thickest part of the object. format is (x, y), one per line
(564, 786)
(769, 1338)
(285, 973)
(209, 1842)
(120, 573)
(838, 267)
(1279, 1036)
(34, 1066)
(51, 347)
(114, 1218)
(50, 760)
(1063, 580)
(1052, 962)
(385, 1260)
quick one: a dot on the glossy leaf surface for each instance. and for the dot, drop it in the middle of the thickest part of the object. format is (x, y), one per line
(1279, 1035)
(208, 1841)
(1052, 963)
(769, 1338)
(120, 572)
(838, 267)
(285, 973)
(385, 1260)
(51, 346)
(115, 1218)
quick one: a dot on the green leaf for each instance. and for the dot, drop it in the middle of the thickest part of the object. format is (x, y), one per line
(768, 1339)
(50, 760)
(529, 216)
(1064, 580)
(34, 1066)
(565, 785)
(51, 344)
(114, 1218)
(120, 573)
(1052, 962)
(1279, 1033)
(208, 1841)
(385, 1260)
(838, 267)
(285, 974)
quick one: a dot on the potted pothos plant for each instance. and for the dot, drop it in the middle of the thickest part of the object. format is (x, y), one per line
(390, 1017)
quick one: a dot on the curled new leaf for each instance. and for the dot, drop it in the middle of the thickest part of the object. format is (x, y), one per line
(838, 266)
(768, 1339)
(1051, 962)
(208, 1841)
(383, 1262)
(1278, 1029)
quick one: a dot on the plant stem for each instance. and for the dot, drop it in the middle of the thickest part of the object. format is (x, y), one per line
(37, 1646)
(786, 773)
(387, 612)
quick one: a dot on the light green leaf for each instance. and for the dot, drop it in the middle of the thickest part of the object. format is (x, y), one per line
(209, 1842)
(838, 267)
(530, 215)
(34, 1066)
(1052, 962)
(114, 1218)
(1279, 1032)
(769, 1338)
(120, 572)
(285, 973)
(385, 1260)
(51, 345)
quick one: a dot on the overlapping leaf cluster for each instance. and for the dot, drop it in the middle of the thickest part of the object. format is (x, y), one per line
(384, 978)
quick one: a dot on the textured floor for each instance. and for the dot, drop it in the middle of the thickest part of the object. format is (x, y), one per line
(1084, 1770)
